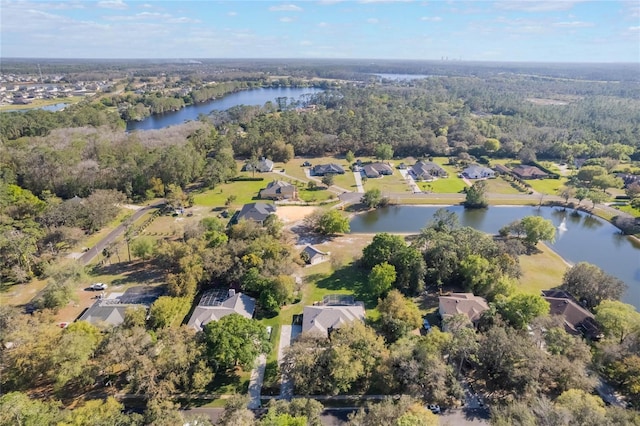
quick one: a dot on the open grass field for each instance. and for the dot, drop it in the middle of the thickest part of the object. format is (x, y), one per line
(509, 162)
(449, 185)
(500, 186)
(394, 183)
(542, 270)
(244, 191)
(547, 186)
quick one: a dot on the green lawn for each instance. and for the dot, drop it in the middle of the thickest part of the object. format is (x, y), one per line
(295, 169)
(317, 195)
(547, 186)
(541, 271)
(450, 185)
(394, 183)
(245, 192)
(500, 186)
(628, 209)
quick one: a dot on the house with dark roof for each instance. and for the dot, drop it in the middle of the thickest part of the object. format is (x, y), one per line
(109, 312)
(502, 169)
(427, 170)
(324, 169)
(476, 171)
(331, 314)
(256, 212)
(466, 304)
(264, 165)
(279, 190)
(313, 256)
(628, 179)
(376, 170)
(577, 319)
(217, 304)
(529, 172)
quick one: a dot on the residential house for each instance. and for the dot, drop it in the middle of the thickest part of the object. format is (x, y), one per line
(324, 169)
(279, 190)
(312, 255)
(264, 165)
(577, 320)
(216, 304)
(466, 304)
(476, 171)
(256, 212)
(334, 312)
(427, 170)
(501, 169)
(109, 312)
(628, 178)
(529, 172)
(376, 170)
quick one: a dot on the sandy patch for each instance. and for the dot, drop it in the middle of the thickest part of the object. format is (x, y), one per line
(292, 214)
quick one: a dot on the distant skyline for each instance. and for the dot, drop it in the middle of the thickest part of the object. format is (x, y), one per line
(499, 30)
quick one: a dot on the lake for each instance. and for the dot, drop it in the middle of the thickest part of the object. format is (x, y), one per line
(579, 236)
(245, 97)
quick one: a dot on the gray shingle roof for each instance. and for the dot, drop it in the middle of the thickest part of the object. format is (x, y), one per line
(320, 319)
(257, 212)
(239, 303)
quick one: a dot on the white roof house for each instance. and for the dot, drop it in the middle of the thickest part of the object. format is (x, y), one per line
(475, 171)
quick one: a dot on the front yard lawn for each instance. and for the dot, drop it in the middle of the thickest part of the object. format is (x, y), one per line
(547, 186)
(387, 184)
(450, 185)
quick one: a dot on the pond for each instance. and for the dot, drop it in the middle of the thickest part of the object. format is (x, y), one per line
(579, 236)
(245, 97)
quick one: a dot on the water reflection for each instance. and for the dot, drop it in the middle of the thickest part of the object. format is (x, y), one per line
(587, 238)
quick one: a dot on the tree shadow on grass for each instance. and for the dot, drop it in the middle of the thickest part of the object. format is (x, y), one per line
(127, 273)
(351, 278)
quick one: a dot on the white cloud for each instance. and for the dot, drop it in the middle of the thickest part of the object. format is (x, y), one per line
(573, 24)
(232, 13)
(183, 20)
(536, 6)
(372, 21)
(637, 28)
(305, 43)
(323, 25)
(285, 8)
(286, 19)
(112, 4)
(431, 18)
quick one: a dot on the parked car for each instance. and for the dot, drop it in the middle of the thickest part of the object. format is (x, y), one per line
(435, 408)
(425, 324)
(98, 286)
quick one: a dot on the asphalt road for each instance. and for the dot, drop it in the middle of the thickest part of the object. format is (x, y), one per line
(90, 254)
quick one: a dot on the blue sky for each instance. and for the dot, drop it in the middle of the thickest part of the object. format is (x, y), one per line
(499, 30)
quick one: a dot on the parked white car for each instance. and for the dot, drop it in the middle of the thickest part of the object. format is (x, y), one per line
(98, 286)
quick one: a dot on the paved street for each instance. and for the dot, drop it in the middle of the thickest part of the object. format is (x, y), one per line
(111, 237)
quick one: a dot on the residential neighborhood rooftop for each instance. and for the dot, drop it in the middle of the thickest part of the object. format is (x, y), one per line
(216, 304)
